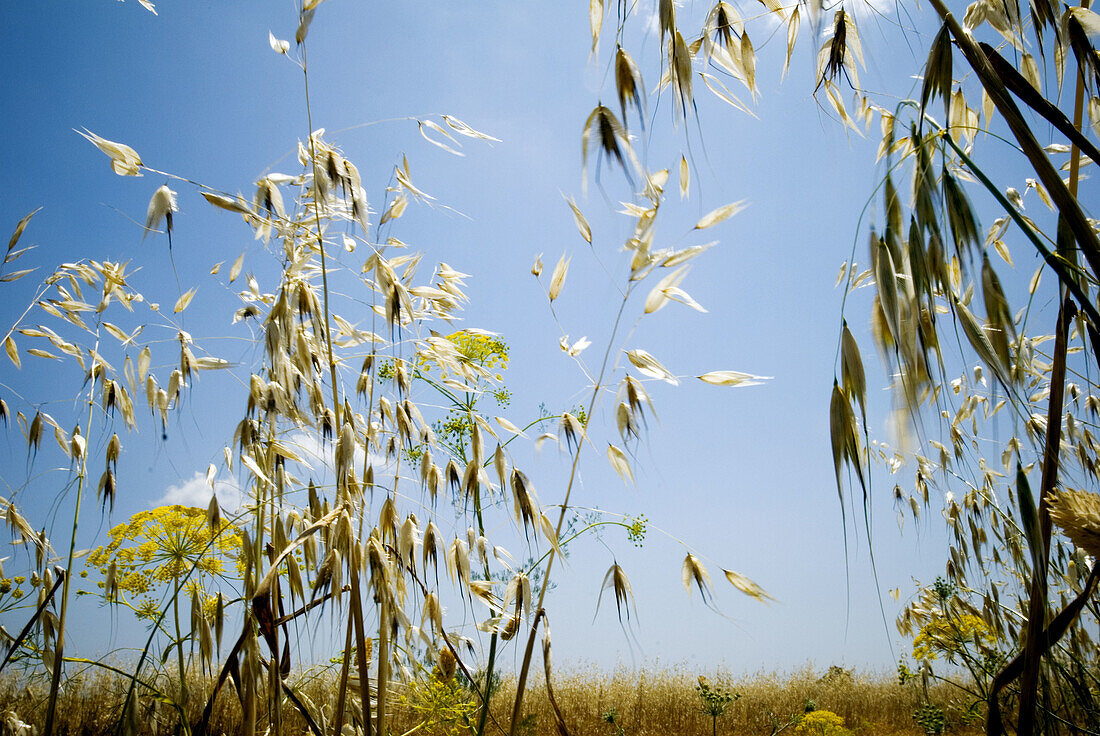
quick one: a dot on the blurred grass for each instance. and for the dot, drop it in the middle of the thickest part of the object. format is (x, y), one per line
(646, 701)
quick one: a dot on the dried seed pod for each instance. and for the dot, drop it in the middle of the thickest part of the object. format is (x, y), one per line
(853, 378)
(430, 551)
(694, 572)
(616, 579)
(509, 626)
(34, 434)
(107, 488)
(628, 85)
(458, 562)
(329, 575)
(77, 444)
(937, 70)
(612, 139)
(433, 613)
(524, 501)
(680, 70)
(407, 541)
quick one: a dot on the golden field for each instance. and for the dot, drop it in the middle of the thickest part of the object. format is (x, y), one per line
(646, 701)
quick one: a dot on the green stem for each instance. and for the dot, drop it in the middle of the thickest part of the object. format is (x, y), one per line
(179, 646)
(59, 647)
(491, 663)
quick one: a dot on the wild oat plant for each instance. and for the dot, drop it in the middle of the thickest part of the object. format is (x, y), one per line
(352, 363)
(368, 450)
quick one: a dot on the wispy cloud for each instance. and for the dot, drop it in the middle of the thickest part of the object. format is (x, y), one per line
(196, 492)
(315, 452)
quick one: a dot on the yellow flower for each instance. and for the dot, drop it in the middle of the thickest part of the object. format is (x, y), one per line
(161, 545)
(823, 722)
(951, 635)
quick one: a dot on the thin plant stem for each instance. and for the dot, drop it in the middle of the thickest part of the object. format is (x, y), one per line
(383, 662)
(355, 621)
(179, 644)
(521, 682)
(59, 647)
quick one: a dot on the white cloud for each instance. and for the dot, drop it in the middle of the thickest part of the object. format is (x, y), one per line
(313, 450)
(196, 492)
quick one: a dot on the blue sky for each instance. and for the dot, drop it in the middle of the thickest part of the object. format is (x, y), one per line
(742, 475)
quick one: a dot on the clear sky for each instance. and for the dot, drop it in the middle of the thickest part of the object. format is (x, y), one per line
(743, 476)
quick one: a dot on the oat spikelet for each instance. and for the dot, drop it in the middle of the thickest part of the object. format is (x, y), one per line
(1077, 514)
(937, 70)
(611, 138)
(694, 572)
(161, 207)
(124, 160)
(628, 84)
(616, 580)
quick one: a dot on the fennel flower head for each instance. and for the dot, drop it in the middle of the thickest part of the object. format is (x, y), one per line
(951, 635)
(161, 546)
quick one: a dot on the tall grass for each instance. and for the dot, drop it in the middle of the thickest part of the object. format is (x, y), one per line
(357, 364)
(647, 702)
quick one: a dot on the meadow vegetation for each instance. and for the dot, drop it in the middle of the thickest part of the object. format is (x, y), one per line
(593, 703)
(377, 454)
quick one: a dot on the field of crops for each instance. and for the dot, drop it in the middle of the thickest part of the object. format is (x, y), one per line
(593, 703)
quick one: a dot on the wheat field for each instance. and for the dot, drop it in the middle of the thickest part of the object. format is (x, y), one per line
(640, 702)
